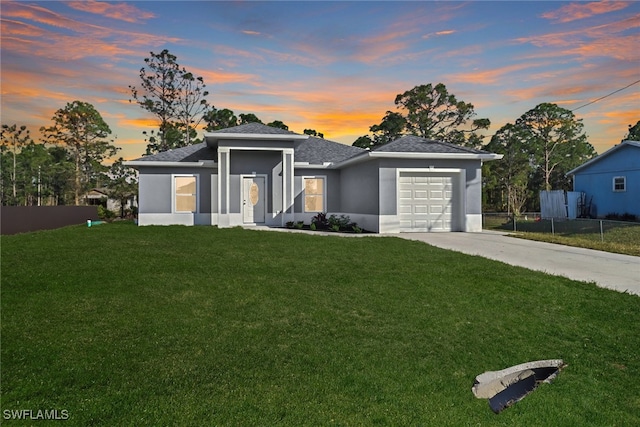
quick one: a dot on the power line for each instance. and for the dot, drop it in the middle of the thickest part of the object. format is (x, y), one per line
(606, 96)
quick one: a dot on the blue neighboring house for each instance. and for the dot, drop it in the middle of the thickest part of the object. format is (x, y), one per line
(611, 181)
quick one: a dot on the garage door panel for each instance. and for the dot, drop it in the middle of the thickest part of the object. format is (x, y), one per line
(405, 194)
(436, 195)
(421, 194)
(405, 209)
(436, 209)
(425, 202)
(406, 224)
(420, 223)
(420, 209)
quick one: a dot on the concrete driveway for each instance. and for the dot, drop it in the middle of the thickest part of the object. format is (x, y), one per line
(607, 270)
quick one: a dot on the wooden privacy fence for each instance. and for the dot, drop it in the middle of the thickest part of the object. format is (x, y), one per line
(562, 204)
(22, 219)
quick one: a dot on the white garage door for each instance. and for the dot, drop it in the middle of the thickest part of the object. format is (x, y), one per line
(425, 202)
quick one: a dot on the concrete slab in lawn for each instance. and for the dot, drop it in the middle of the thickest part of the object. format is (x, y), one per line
(607, 270)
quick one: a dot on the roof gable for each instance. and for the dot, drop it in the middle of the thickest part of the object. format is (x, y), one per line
(608, 155)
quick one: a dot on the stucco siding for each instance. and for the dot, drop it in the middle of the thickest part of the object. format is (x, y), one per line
(333, 190)
(474, 187)
(155, 205)
(155, 188)
(466, 200)
(473, 184)
(154, 192)
(360, 188)
(267, 163)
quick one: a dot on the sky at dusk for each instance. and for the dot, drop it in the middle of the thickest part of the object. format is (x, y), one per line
(332, 66)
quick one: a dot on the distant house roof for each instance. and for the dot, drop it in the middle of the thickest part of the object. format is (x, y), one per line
(603, 155)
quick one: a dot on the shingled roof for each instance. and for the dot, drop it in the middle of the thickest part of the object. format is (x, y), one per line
(309, 150)
(190, 153)
(416, 144)
(255, 128)
(317, 151)
(312, 150)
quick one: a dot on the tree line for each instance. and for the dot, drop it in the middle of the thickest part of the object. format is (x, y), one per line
(66, 164)
(178, 101)
(539, 147)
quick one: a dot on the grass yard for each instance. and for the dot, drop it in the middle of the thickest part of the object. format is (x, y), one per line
(125, 325)
(618, 237)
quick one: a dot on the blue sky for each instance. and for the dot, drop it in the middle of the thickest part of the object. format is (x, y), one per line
(331, 66)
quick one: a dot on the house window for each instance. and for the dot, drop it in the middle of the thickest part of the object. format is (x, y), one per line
(314, 194)
(185, 193)
(619, 183)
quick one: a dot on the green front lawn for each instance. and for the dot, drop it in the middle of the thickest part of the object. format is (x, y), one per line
(125, 325)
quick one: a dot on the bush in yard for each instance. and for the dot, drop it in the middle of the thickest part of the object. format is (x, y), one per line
(341, 222)
(105, 214)
(320, 221)
(620, 217)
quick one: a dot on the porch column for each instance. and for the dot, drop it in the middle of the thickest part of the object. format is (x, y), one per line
(288, 194)
(223, 186)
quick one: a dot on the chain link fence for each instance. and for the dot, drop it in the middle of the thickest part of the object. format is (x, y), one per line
(593, 229)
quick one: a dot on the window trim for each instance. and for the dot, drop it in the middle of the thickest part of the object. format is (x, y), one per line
(324, 192)
(174, 195)
(624, 184)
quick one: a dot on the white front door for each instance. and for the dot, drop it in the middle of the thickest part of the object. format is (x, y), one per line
(253, 199)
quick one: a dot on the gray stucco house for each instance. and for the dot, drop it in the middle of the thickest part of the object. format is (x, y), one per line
(255, 174)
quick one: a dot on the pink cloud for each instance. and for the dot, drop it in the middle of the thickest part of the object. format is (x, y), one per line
(575, 11)
(492, 76)
(121, 11)
(217, 77)
(17, 28)
(89, 41)
(232, 51)
(439, 33)
(43, 15)
(598, 41)
(314, 57)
